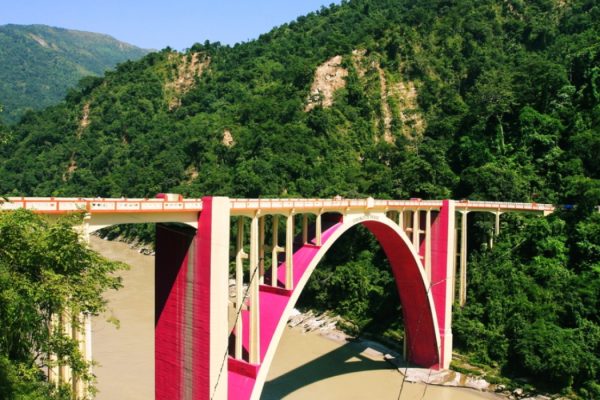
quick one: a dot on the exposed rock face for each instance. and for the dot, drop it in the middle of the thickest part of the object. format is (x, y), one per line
(191, 174)
(358, 56)
(84, 122)
(39, 40)
(329, 77)
(227, 138)
(386, 112)
(398, 97)
(188, 68)
(413, 124)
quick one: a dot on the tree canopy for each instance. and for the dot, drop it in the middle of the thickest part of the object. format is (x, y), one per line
(46, 273)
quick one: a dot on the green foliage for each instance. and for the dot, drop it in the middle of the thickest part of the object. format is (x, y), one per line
(530, 310)
(45, 272)
(507, 92)
(38, 64)
(357, 284)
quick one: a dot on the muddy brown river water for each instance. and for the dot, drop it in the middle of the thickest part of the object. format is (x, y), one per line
(306, 365)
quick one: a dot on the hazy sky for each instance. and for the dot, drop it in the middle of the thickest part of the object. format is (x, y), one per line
(159, 23)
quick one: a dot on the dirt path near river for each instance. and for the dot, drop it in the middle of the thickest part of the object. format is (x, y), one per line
(306, 366)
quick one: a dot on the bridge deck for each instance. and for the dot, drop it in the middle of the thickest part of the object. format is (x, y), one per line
(61, 205)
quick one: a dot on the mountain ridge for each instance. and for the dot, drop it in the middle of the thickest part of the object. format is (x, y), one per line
(39, 63)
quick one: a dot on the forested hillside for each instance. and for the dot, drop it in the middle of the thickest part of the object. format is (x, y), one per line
(39, 63)
(492, 99)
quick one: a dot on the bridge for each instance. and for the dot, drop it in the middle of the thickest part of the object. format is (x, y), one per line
(213, 345)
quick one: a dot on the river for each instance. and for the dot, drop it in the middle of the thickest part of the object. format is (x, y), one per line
(306, 365)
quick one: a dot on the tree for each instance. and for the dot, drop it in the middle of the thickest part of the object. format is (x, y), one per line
(45, 272)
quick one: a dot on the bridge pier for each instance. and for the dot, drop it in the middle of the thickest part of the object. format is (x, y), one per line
(191, 306)
(442, 276)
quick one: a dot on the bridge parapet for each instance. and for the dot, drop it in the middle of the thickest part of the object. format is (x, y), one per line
(500, 206)
(60, 205)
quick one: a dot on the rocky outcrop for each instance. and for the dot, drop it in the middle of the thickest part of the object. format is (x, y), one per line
(187, 68)
(329, 77)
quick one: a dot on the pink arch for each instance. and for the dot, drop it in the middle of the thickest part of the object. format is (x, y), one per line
(246, 381)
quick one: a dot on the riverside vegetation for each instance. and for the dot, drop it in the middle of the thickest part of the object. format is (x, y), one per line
(492, 99)
(45, 272)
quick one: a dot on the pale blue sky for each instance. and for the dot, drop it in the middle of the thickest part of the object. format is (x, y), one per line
(157, 23)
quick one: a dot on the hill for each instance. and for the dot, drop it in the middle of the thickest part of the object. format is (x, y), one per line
(39, 63)
(495, 99)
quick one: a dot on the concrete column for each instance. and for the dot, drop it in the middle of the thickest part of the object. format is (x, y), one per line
(304, 228)
(318, 230)
(275, 251)
(254, 350)
(289, 252)
(239, 287)
(87, 344)
(416, 230)
(261, 249)
(76, 334)
(463, 259)
(65, 370)
(401, 219)
(497, 225)
(53, 371)
(455, 264)
(496, 228)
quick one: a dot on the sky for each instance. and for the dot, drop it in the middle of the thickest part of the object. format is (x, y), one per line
(156, 24)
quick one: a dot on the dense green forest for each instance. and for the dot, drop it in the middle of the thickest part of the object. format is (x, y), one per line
(496, 100)
(39, 63)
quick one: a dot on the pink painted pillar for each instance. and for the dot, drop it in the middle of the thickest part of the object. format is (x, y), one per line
(191, 306)
(442, 276)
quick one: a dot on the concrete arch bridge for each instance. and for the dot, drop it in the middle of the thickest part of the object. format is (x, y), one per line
(213, 345)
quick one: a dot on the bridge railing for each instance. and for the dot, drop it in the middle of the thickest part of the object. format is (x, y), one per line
(125, 205)
(328, 204)
(503, 206)
(65, 205)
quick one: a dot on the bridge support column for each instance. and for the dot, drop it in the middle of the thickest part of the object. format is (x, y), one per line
(462, 294)
(239, 287)
(496, 228)
(261, 248)
(442, 276)
(401, 219)
(289, 251)
(191, 306)
(416, 229)
(276, 249)
(253, 285)
(304, 229)
(318, 229)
